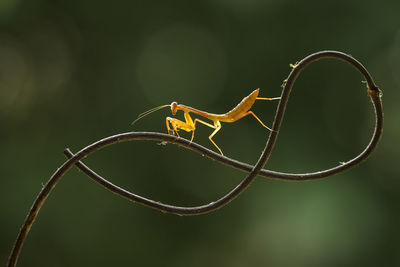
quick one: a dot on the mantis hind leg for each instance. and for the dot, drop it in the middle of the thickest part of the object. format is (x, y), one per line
(255, 116)
(268, 98)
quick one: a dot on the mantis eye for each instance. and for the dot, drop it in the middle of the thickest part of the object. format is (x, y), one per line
(174, 108)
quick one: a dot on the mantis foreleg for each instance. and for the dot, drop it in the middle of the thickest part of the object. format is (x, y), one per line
(176, 124)
(190, 126)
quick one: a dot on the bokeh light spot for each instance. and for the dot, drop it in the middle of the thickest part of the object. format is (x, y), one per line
(181, 62)
(7, 8)
(14, 77)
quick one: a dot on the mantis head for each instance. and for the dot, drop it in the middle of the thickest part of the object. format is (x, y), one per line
(174, 107)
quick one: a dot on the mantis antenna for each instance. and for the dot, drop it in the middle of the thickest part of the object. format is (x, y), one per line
(144, 114)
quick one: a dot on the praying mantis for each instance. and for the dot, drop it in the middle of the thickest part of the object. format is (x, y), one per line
(189, 125)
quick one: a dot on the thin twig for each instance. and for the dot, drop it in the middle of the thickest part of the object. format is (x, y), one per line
(255, 170)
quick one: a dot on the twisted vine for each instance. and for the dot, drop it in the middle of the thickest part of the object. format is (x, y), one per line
(253, 171)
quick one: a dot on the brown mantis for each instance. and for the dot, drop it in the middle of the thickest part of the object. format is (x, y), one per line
(189, 125)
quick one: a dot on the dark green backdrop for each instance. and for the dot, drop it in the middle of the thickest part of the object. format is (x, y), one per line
(72, 72)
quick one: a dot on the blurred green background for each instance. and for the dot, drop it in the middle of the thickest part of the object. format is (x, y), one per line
(72, 72)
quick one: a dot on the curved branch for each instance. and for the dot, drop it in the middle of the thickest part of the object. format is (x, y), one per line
(255, 170)
(373, 92)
